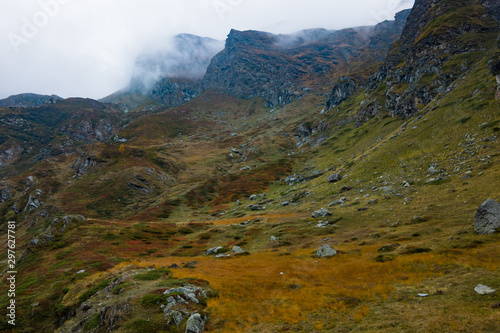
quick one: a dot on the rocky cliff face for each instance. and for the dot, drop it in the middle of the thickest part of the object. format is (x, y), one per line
(175, 92)
(435, 33)
(282, 68)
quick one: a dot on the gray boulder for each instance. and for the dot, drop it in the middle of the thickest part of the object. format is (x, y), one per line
(321, 213)
(487, 218)
(214, 250)
(481, 289)
(237, 249)
(334, 178)
(195, 324)
(326, 251)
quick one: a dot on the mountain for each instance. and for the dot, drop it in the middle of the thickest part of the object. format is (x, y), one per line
(359, 205)
(278, 68)
(171, 76)
(281, 68)
(27, 100)
(32, 134)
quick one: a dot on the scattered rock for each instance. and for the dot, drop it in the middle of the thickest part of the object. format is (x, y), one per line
(345, 189)
(253, 197)
(195, 324)
(322, 224)
(487, 218)
(286, 203)
(321, 213)
(481, 289)
(406, 184)
(338, 202)
(273, 239)
(326, 251)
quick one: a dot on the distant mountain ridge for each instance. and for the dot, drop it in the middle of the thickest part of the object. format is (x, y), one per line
(27, 100)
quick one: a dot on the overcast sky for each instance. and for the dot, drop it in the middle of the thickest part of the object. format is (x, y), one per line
(87, 48)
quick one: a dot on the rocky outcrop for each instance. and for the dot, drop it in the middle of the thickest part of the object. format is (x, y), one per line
(10, 155)
(413, 71)
(341, 90)
(250, 67)
(85, 130)
(493, 7)
(195, 324)
(5, 194)
(57, 226)
(487, 218)
(144, 185)
(175, 92)
(313, 134)
(494, 65)
(84, 163)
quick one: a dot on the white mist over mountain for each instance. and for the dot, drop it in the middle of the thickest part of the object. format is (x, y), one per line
(90, 48)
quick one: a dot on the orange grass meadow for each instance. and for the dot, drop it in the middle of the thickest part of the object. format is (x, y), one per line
(274, 288)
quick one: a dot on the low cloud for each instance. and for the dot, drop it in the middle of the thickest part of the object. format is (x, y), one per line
(89, 48)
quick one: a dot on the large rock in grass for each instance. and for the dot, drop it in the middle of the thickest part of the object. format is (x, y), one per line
(334, 178)
(487, 218)
(321, 213)
(237, 250)
(195, 324)
(326, 251)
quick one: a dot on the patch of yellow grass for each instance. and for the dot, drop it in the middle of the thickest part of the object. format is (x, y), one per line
(285, 289)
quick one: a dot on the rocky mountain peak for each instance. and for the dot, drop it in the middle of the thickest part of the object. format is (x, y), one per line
(253, 38)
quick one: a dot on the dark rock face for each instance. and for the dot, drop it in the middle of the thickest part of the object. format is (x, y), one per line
(487, 218)
(279, 68)
(175, 92)
(5, 194)
(341, 90)
(250, 67)
(86, 131)
(413, 71)
(493, 7)
(313, 134)
(84, 162)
